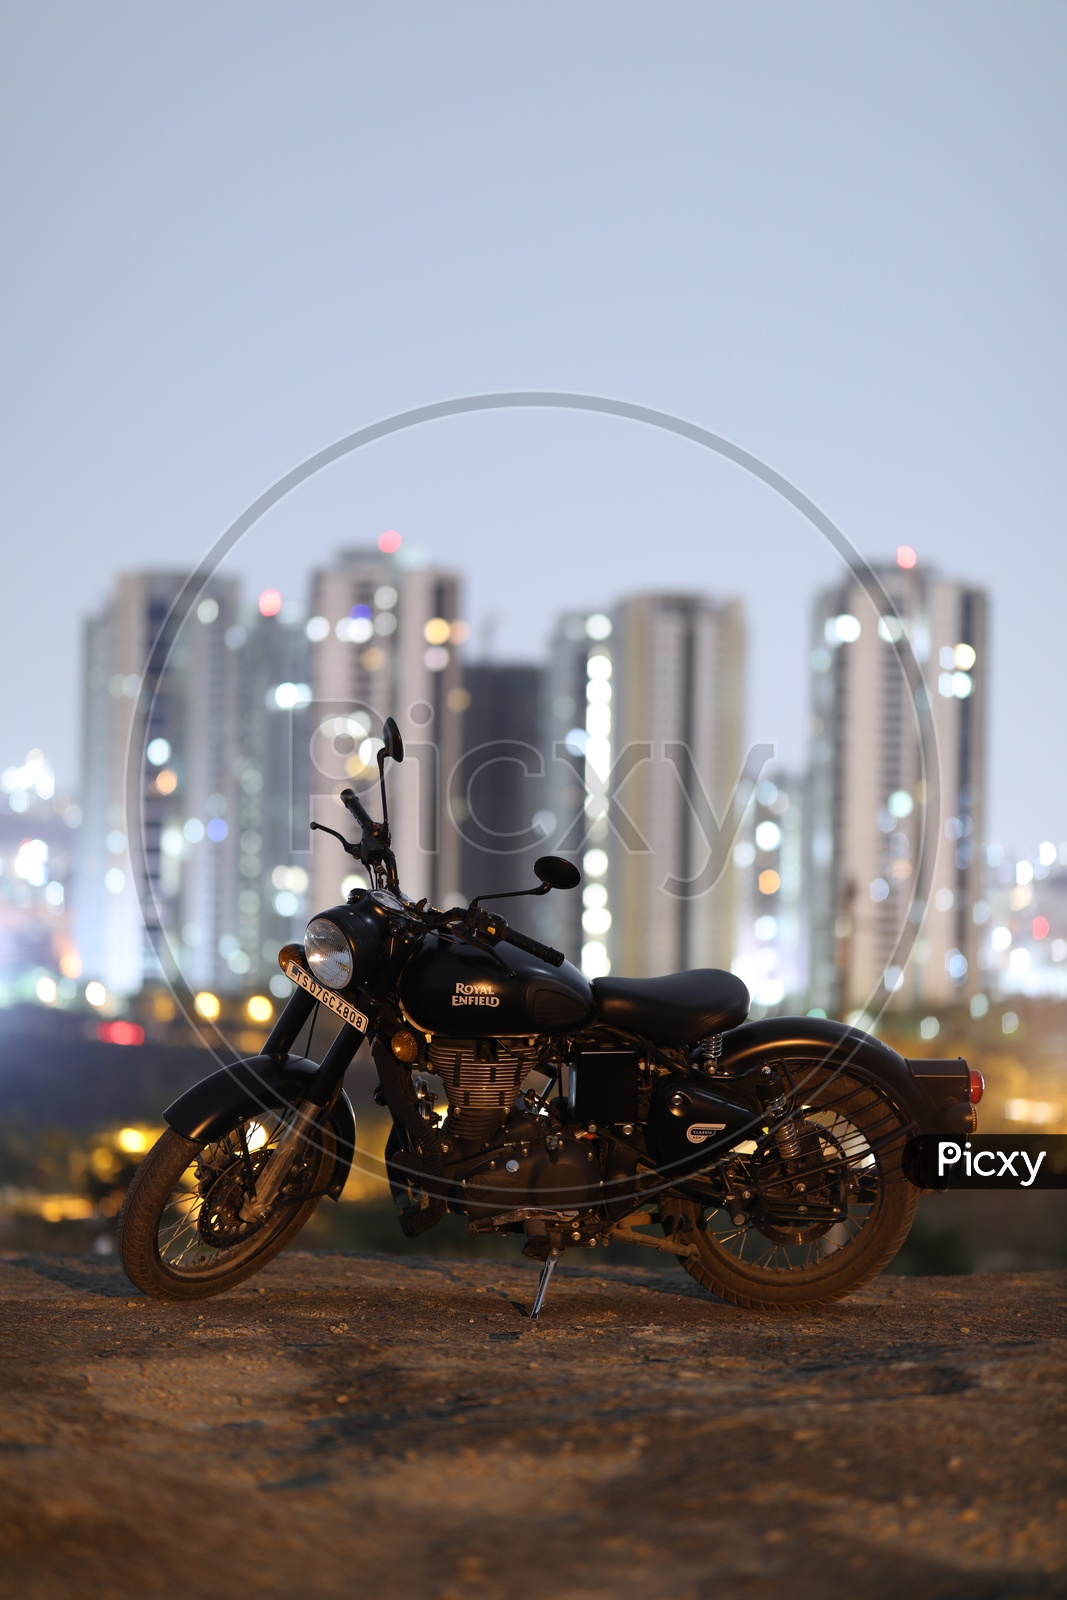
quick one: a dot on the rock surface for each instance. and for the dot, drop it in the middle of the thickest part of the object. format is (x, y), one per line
(362, 1426)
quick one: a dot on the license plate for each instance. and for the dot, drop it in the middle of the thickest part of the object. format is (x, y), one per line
(340, 1007)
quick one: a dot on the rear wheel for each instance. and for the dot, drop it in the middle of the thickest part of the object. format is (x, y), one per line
(181, 1234)
(806, 1231)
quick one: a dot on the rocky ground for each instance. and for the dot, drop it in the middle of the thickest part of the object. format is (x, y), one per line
(357, 1425)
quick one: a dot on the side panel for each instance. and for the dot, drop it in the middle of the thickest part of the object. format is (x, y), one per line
(692, 1122)
(210, 1107)
(819, 1039)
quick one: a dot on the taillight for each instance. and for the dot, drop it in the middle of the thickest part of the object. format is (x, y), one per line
(976, 1086)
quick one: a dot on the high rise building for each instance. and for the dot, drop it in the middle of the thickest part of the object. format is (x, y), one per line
(676, 758)
(272, 768)
(870, 795)
(186, 722)
(385, 638)
(496, 799)
(206, 680)
(1023, 921)
(772, 931)
(38, 840)
(576, 722)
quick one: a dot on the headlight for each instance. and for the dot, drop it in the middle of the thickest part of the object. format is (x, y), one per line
(328, 952)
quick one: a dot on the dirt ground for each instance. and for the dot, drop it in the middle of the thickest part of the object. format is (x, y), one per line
(355, 1425)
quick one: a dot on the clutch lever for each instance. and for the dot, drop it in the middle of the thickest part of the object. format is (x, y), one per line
(351, 849)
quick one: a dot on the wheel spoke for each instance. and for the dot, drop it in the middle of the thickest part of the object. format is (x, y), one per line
(217, 1179)
(847, 1129)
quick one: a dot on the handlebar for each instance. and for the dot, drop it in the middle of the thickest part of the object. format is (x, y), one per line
(544, 952)
(374, 847)
(354, 805)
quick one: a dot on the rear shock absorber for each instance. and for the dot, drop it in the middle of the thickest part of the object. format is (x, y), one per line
(786, 1136)
(707, 1054)
(786, 1133)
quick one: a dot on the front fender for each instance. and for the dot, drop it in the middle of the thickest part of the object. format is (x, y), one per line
(930, 1099)
(262, 1083)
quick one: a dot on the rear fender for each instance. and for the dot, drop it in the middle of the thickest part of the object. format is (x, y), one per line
(933, 1101)
(262, 1083)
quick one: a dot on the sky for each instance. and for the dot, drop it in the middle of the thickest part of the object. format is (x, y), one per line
(831, 234)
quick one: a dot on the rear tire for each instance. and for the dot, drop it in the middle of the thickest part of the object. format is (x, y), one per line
(768, 1272)
(165, 1204)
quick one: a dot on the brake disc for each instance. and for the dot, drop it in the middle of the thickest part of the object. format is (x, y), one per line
(219, 1222)
(786, 1196)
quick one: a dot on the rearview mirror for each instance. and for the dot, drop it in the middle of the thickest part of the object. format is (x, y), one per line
(555, 873)
(394, 744)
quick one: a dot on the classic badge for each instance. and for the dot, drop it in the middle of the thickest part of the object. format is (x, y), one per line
(697, 1132)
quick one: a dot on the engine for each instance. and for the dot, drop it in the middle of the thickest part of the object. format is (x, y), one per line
(514, 1159)
(481, 1078)
(535, 1163)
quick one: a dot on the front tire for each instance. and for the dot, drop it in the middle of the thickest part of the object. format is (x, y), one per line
(850, 1128)
(180, 1233)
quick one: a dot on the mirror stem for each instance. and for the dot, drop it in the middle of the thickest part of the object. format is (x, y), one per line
(385, 803)
(511, 894)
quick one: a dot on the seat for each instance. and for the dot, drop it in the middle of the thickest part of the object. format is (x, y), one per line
(676, 1009)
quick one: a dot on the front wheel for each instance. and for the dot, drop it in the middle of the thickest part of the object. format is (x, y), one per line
(181, 1233)
(804, 1232)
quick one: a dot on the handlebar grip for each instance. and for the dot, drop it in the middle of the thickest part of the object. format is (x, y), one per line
(353, 804)
(544, 952)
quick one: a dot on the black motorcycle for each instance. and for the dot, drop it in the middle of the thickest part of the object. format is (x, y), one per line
(768, 1153)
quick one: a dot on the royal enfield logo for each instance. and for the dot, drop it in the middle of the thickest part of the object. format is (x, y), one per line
(474, 994)
(326, 997)
(697, 1132)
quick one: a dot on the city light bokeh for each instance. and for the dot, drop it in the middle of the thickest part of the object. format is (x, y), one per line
(816, 883)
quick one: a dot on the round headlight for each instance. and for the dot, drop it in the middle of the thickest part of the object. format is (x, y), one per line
(328, 953)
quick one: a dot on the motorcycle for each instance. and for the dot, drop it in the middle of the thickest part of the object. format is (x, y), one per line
(766, 1156)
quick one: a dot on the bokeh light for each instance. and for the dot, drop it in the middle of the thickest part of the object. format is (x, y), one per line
(121, 1032)
(768, 835)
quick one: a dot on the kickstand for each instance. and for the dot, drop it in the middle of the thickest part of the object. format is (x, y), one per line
(546, 1277)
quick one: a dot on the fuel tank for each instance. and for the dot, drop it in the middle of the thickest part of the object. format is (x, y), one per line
(453, 988)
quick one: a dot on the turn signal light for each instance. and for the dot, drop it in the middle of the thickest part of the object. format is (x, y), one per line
(291, 952)
(404, 1046)
(977, 1086)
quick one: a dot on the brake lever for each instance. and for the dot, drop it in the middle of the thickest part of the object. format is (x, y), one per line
(351, 849)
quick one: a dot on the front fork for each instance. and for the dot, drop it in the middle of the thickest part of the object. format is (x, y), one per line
(310, 1114)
